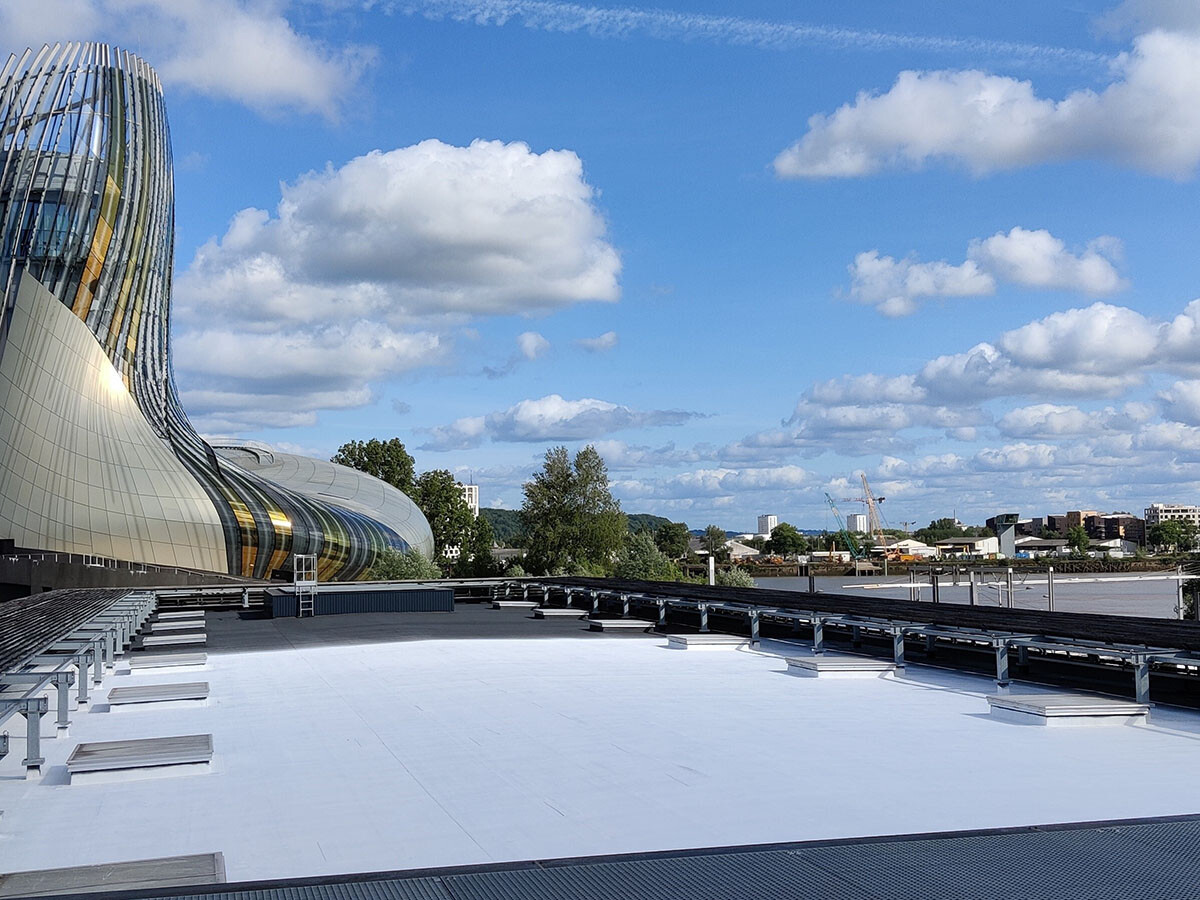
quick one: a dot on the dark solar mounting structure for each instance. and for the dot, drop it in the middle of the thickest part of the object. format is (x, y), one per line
(31, 624)
(52, 641)
(1117, 860)
(1119, 654)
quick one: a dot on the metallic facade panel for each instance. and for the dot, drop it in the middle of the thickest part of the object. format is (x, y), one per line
(87, 213)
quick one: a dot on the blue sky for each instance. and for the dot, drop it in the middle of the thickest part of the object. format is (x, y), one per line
(749, 250)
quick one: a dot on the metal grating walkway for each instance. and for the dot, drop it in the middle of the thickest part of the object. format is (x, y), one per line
(1124, 860)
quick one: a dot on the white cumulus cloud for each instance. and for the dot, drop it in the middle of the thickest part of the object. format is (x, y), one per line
(531, 344)
(550, 418)
(361, 270)
(1147, 118)
(1100, 339)
(893, 286)
(1028, 258)
(600, 343)
(232, 49)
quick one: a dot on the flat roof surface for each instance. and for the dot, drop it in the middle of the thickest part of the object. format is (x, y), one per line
(344, 754)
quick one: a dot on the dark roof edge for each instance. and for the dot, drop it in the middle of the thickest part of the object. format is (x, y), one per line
(518, 865)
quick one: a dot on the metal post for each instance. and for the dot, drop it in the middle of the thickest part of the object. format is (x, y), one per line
(971, 598)
(81, 682)
(245, 598)
(624, 606)
(712, 569)
(1179, 590)
(1141, 679)
(97, 663)
(568, 598)
(545, 595)
(525, 591)
(934, 578)
(1002, 678)
(855, 636)
(812, 583)
(1050, 588)
(818, 635)
(662, 612)
(898, 647)
(754, 638)
(595, 601)
(33, 708)
(63, 681)
(703, 618)
(1008, 581)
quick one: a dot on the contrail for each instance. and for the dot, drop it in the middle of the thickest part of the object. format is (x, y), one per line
(669, 25)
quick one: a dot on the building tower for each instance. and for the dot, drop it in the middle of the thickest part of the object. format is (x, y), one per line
(96, 453)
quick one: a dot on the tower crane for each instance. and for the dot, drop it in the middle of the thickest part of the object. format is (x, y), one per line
(874, 514)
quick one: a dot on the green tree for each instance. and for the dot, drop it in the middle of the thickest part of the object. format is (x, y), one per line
(714, 539)
(673, 539)
(441, 500)
(1078, 539)
(601, 524)
(476, 559)
(786, 540)
(1174, 534)
(570, 518)
(735, 577)
(402, 565)
(939, 530)
(641, 560)
(386, 460)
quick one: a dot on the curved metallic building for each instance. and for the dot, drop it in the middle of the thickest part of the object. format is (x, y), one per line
(96, 453)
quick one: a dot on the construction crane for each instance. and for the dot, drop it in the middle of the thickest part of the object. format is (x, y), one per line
(855, 552)
(874, 514)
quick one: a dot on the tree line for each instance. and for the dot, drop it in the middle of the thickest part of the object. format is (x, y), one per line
(568, 524)
(439, 497)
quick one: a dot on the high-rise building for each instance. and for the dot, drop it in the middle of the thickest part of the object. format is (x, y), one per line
(856, 522)
(96, 453)
(470, 494)
(766, 524)
(1156, 513)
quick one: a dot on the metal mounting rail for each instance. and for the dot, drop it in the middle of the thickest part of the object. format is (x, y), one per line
(57, 640)
(899, 622)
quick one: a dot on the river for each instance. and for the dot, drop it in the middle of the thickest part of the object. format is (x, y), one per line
(1114, 597)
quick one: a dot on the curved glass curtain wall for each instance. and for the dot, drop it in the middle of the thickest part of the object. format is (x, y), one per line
(87, 208)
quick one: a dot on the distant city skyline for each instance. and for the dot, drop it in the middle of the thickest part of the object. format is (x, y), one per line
(747, 257)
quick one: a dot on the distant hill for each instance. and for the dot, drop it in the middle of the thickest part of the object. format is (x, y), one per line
(506, 524)
(646, 522)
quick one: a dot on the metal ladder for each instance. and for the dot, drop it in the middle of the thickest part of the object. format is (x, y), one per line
(304, 573)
